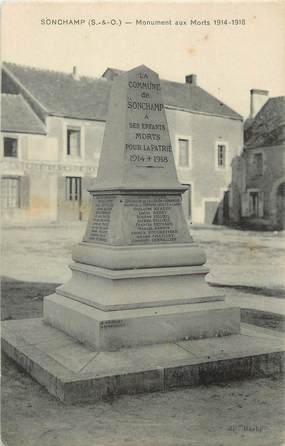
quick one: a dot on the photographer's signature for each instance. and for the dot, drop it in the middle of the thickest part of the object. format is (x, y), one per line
(246, 428)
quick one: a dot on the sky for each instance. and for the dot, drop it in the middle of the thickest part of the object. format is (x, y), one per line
(228, 59)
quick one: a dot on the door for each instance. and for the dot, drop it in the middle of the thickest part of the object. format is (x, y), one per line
(211, 212)
(187, 202)
(73, 195)
(254, 204)
(70, 199)
(280, 214)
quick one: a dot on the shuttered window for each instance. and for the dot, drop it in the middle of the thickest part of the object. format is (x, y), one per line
(10, 192)
(73, 188)
(221, 155)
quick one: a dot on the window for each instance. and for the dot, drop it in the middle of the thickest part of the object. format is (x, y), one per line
(73, 142)
(258, 163)
(183, 153)
(10, 147)
(73, 188)
(221, 155)
(10, 192)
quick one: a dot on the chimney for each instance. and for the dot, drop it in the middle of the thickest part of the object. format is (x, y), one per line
(257, 101)
(75, 74)
(191, 79)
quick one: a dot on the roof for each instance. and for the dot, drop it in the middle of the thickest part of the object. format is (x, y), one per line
(268, 126)
(194, 98)
(186, 97)
(110, 73)
(17, 116)
(87, 98)
(62, 95)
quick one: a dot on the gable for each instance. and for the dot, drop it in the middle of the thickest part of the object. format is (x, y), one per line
(17, 116)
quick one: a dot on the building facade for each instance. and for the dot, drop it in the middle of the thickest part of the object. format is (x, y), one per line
(50, 159)
(259, 173)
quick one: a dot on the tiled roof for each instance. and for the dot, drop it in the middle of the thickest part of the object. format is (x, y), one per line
(87, 98)
(61, 95)
(268, 126)
(194, 98)
(17, 116)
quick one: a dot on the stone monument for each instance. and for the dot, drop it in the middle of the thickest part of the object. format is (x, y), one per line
(137, 272)
(137, 314)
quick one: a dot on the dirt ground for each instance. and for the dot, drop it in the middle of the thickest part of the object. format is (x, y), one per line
(243, 258)
(249, 412)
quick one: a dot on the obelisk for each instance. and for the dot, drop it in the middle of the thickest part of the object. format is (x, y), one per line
(137, 274)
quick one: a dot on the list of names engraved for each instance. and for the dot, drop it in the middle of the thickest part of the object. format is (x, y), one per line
(152, 218)
(101, 218)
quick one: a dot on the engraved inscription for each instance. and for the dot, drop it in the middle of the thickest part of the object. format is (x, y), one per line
(113, 323)
(100, 224)
(153, 220)
(148, 143)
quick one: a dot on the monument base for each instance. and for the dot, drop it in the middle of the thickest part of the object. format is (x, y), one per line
(112, 309)
(112, 330)
(75, 373)
(127, 289)
(139, 256)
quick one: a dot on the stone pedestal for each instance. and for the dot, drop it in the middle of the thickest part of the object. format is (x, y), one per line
(111, 290)
(138, 278)
(113, 330)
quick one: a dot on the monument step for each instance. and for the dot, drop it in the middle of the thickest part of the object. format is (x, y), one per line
(139, 256)
(75, 373)
(137, 288)
(114, 330)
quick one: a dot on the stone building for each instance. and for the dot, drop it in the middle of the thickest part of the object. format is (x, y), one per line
(52, 132)
(258, 174)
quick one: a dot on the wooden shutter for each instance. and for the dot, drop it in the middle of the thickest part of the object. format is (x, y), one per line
(60, 197)
(87, 183)
(260, 204)
(24, 192)
(61, 190)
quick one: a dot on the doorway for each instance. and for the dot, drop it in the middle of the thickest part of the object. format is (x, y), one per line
(187, 202)
(70, 197)
(280, 208)
(253, 204)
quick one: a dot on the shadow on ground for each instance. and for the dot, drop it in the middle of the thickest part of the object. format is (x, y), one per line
(24, 300)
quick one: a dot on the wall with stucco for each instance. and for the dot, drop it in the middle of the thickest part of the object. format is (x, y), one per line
(92, 133)
(273, 170)
(50, 164)
(208, 181)
(37, 193)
